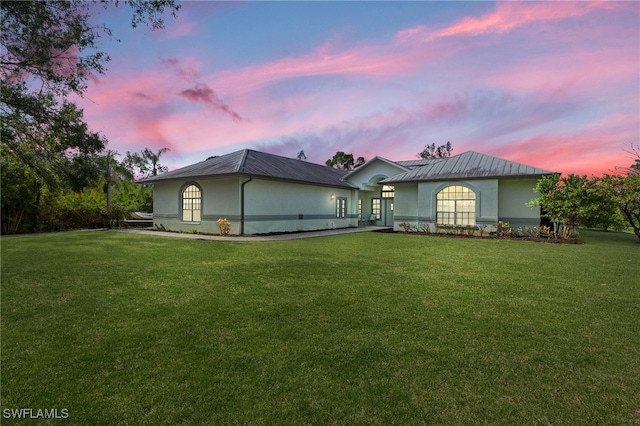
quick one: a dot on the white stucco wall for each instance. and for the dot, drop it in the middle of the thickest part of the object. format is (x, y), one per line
(365, 176)
(505, 200)
(420, 209)
(274, 206)
(406, 204)
(220, 198)
(270, 206)
(513, 195)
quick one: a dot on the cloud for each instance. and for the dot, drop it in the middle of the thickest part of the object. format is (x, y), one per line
(510, 15)
(182, 68)
(205, 94)
(366, 60)
(533, 96)
(410, 33)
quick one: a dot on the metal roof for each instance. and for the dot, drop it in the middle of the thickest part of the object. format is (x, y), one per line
(412, 164)
(375, 159)
(468, 165)
(248, 162)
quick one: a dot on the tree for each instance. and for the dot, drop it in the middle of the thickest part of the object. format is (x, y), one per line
(600, 210)
(563, 200)
(344, 161)
(625, 195)
(433, 151)
(635, 167)
(301, 155)
(597, 201)
(49, 50)
(146, 163)
(49, 155)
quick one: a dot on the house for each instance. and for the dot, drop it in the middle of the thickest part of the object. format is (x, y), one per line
(262, 193)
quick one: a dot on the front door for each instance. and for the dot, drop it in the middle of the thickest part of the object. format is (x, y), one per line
(388, 212)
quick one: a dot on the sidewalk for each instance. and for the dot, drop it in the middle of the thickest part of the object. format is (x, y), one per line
(281, 237)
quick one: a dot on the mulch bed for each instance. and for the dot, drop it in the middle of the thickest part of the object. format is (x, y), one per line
(487, 237)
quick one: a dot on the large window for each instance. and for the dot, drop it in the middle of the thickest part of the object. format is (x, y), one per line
(375, 207)
(456, 205)
(191, 204)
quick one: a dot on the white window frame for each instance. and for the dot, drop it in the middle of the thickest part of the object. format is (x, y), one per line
(456, 206)
(341, 207)
(191, 203)
(376, 207)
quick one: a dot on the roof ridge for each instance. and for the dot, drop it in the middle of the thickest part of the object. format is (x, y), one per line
(292, 159)
(243, 161)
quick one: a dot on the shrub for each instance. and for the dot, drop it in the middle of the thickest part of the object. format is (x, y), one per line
(407, 227)
(224, 226)
(503, 229)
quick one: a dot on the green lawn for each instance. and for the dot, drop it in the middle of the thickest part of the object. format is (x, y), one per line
(364, 329)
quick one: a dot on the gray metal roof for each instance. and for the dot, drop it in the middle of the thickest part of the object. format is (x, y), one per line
(412, 164)
(468, 165)
(248, 162)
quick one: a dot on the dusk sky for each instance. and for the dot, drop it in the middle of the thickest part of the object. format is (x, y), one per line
(551, 84)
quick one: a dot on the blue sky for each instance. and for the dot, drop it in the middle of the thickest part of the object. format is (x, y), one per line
(551, 84)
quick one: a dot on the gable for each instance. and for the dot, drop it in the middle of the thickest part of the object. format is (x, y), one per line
(373, 171)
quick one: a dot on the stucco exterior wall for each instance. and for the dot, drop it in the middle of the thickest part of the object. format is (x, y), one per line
(513, 195)
(420, 210)
(270, 206)
(370, 174)
(406, 204)
(276, 206)
(220, 198)
(273, 206)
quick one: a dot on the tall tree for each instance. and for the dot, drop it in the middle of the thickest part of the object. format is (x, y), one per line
(344, 161)
(624, 193)
(433, 151)
(48, 51)
(145, 163)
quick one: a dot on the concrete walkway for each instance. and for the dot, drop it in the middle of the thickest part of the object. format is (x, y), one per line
(281, 237)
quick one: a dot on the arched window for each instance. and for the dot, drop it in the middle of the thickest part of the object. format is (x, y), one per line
(191, 204)
(456, 205)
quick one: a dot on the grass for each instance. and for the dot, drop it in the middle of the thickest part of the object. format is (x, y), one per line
(354, 329)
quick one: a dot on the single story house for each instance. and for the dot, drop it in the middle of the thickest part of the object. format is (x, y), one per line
(262, 193)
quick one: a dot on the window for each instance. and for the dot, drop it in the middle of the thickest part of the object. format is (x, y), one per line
(191, 204)
(375, 207)
(388, 191)
(341, 207)
(359, 209)
(456, 205)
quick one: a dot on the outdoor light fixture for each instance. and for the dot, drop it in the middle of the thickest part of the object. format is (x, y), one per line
(332, 196)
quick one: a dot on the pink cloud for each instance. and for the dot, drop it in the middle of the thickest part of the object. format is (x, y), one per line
(398, 56)
(375, 61)
(205, 94)
(510, 15)
(449, 88)
(579, 153)
(410, 33)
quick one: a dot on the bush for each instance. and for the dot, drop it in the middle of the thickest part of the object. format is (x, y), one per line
(503, 229)
(224, 226)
